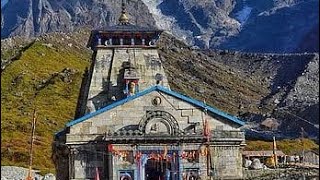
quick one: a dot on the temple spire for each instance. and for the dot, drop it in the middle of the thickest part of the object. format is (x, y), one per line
(123, 19)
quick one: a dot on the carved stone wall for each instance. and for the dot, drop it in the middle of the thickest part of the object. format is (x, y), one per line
(129, 115)
(107, 84)
(191, 160)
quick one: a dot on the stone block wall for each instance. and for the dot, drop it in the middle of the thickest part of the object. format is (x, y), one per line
(226, 161)
(133, 112)
(85, 159)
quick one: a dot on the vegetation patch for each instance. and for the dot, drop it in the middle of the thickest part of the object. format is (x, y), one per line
(287, 146)
(46, 78)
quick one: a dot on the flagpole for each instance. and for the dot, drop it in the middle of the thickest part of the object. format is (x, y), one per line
(29, 176)
(275, 152)
(302, 137)
(207, 136)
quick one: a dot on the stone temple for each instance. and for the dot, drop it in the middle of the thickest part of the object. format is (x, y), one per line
(130, 125)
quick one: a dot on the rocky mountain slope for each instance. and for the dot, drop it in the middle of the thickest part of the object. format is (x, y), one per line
(253, 86)
(277, 26)
(46, 73)
(293, 84)
(245, 25)
(30, 18)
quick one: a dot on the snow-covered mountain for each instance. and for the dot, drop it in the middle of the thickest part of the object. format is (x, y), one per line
(247, 25)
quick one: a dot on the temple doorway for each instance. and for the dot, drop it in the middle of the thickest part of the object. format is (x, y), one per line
(158, 170)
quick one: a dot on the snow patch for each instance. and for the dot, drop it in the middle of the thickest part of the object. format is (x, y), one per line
(162, 21)
(243, 15)
(167, 23)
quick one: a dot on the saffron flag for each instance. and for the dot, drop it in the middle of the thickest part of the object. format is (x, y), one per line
(97, 177)
(110, 148)
(275, 152)
(274, 145)
(207, 130)
(165, 152)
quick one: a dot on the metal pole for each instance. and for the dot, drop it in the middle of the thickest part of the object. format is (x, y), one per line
(29, 176)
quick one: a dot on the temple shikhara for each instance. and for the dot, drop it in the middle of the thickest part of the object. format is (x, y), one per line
(130, 125)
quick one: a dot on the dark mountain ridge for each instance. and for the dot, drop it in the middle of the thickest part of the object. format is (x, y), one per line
(274, 26)
(30, 18)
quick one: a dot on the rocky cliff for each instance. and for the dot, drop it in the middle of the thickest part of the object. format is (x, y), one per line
(245, 25)
(252, 86)
(30, 18)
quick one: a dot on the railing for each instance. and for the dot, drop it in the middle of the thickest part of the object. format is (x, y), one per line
(128, 136)
(214, 135)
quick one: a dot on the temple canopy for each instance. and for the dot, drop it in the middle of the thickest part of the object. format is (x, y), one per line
(124, 34)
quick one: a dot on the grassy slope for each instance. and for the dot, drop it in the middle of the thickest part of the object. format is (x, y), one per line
(201, 77)
(288, 146)
(54, 73)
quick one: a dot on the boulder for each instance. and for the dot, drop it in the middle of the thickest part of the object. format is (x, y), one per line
(49, 176)
(247, 163)
(256, 164)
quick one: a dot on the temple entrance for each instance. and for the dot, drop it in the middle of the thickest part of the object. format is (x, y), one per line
(158, 170)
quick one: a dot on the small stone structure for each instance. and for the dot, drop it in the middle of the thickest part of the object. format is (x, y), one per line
(269, 124)
(130, 125)
(310, 157)
(265, 157)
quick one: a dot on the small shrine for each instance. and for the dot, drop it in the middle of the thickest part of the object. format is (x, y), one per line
(130, 125)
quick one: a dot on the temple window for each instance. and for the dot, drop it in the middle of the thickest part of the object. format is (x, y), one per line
(132, 88)
(131, 78)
